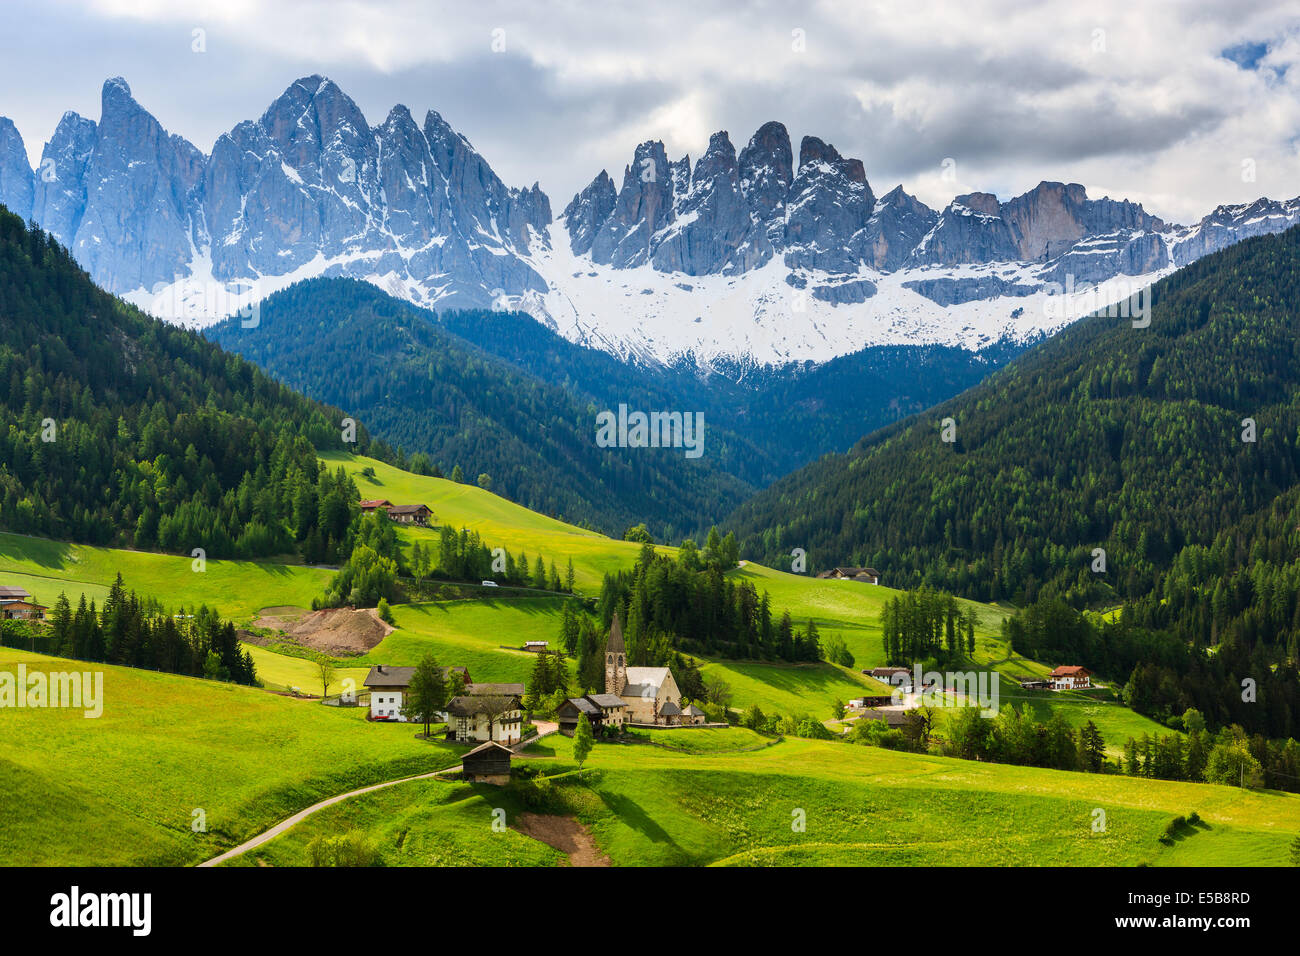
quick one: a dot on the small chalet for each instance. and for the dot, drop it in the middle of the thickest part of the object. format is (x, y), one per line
(858, 703)
(899, 677)
(485, 716)
(388, 686)
(894, 719)
(487, 763)
(16, 605)
(602, 710)
(1070, 677)
(411, 514)
(536, 647)
(861, 575)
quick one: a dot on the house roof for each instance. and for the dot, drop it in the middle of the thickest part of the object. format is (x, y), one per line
(886, 671)
(13, 592)
(669, 708)
(607, 700)
(582, 706)
(377, 503)
(488, 747)
(1069, 670)
(498, 690)
(694, 711)
(495, 703)
(894, 718)
(408, 509)
(385, 676)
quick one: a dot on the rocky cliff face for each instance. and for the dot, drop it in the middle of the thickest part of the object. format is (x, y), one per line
(309, 187)
(747, 257)
(16, 181)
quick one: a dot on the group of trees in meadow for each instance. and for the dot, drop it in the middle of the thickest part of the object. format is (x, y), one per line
(136, 632)
(464, 556)
(1012, 736)
(1231, 756)
(784, 725)
(688, 604)
(378, 570)
(926, 625)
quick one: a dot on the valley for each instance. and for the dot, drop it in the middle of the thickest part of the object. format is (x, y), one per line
(344, 525)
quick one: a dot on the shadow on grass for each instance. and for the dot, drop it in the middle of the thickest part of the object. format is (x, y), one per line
(629, 812)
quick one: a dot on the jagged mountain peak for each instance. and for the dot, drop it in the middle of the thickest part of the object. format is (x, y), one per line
(747, 256)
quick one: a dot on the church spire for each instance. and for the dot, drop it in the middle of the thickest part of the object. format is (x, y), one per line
(615, 636)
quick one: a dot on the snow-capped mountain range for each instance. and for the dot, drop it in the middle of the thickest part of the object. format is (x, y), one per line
(748, 257)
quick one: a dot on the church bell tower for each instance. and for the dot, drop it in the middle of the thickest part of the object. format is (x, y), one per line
(615, 659)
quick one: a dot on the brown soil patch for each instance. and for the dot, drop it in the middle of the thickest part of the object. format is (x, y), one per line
(564, 834)
(338, 632)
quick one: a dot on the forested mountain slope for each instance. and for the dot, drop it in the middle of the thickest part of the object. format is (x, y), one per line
(1105, 436)
(427, 389)
(120, 429)
(771, 420)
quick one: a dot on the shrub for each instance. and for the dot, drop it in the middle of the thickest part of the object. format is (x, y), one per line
(348, 849)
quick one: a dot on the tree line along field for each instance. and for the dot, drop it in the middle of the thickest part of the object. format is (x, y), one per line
(647, 805)
(497, 520)
(475, 632)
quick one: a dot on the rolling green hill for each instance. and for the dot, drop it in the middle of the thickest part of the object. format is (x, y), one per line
(122, 788)
(478, 633)
(861, 806)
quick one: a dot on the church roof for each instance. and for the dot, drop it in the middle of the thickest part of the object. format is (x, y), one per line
(669, 708)
(645, 681)
(615, 636)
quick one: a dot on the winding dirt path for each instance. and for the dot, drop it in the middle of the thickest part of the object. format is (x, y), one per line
(564, 834)
(301, 815)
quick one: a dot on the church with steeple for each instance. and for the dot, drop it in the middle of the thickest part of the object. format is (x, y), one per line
(651, 693)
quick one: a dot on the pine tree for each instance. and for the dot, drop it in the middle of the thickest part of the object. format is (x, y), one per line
(582, 741)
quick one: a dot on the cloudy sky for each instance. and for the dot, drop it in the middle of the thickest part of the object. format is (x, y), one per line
(1180, 106)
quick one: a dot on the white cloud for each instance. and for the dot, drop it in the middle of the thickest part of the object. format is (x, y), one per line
(1146, 109)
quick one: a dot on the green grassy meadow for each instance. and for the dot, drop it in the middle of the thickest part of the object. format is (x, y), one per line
(498, 521)
(239, 589)
(122, 789)
(648, 805)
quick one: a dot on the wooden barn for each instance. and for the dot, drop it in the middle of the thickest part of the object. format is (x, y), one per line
(487, 763)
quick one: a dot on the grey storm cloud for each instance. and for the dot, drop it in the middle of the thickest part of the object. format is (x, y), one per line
(1153, 102)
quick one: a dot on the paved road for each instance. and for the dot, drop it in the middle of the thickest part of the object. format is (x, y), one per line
(301, 815)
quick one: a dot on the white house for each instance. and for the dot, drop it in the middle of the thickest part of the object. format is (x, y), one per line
(388, 686)
(1070, 677)
(482, 715)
